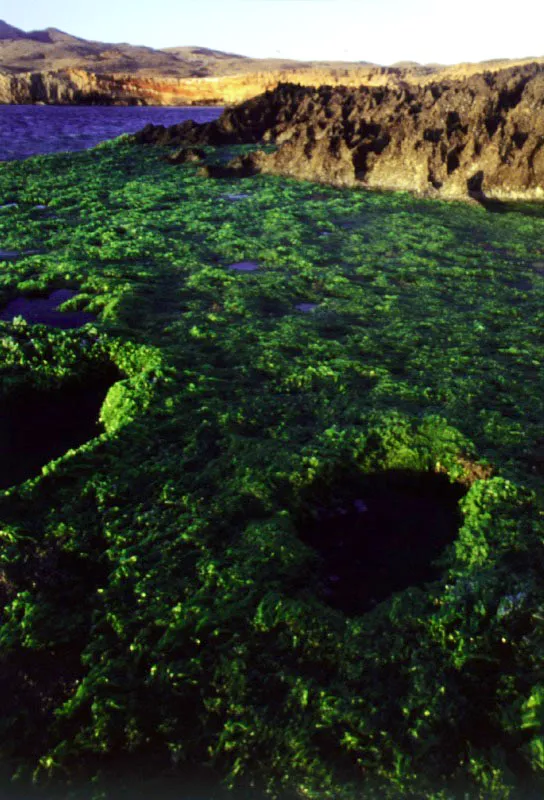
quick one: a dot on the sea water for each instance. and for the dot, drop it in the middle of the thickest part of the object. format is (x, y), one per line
(29, 130)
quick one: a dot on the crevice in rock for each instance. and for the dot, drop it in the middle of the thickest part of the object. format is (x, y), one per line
(511, 96)
(475, 183)
(435, 183)
(519, 138)
(492, 123)
(433, 135)
(452, 161)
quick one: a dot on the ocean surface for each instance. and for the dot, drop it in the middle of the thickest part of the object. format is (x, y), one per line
(34, 130)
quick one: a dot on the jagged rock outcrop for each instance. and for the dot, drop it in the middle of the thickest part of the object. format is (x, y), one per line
(482, 136)
(186, 155)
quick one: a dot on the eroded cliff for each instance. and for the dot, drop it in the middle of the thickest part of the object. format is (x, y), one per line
(146, 86)
(78, 85)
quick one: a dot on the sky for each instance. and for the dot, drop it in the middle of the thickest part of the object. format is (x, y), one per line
(381, 31)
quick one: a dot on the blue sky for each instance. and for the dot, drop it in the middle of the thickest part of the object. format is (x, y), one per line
(383, 31)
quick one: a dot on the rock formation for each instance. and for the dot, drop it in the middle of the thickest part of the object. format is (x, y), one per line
(481, 137)
(186, 155)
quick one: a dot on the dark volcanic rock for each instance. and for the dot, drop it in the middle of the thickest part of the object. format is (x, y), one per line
(186, 155)
(240, 167)
(246, 123)
(481, 137)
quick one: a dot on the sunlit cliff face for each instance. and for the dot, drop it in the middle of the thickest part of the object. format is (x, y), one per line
(148, 86)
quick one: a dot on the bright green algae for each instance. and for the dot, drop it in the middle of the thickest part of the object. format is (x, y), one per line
(158, 602)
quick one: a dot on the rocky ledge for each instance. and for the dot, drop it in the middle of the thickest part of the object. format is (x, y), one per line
(478, 137)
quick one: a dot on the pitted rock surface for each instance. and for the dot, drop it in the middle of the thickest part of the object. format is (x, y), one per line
(480, 137)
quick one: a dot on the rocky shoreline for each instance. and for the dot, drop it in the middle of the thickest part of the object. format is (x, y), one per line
(480, 137)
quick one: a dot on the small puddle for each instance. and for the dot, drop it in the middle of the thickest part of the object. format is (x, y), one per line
(244, 266)
(382, 537)
(37, 426)
(45, 310)
(306, 307)
(13, 255)
(233, 197)
(522, 285)
(9, 205)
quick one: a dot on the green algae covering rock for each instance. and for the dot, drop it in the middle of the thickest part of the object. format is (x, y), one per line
(171, 589)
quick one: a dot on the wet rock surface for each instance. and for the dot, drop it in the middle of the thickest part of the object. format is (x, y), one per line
(383, 540)
(481, 137)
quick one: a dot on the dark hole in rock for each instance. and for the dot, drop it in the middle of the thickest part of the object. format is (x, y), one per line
(435, 183)
(44, 310)
(511, 96)
(519, 138)
(453, 122)
(433, 135)
(475, 183)
(270, 307)
(381, 535)
(492, 122)
(452, 162)
(37, 426)
(244, 266)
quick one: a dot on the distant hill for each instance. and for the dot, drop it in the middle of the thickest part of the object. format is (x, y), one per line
(52, 50)
(53, 36)
(9, 32)
(52, 66)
